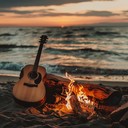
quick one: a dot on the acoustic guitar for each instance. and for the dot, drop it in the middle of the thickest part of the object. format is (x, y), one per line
(30, 89)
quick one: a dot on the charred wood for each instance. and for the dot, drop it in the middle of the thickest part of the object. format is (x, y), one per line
(117, 114)
(124, 119)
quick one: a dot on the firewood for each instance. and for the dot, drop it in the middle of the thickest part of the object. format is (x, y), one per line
(117, 125)
(119, 112)
(124, 119)
(103, 94)
(75, 104)
(104, 110)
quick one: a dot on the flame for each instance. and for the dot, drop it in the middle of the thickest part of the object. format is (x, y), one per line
(81, 96)
(68, 105)
(69, 91)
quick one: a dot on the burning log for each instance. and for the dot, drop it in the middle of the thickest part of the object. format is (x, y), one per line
(77, 109)
(75, 105)
(97, 93)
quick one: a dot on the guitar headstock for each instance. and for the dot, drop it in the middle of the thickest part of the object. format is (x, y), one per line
(43, 39)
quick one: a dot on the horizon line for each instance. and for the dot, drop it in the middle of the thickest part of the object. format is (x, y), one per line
(95, 24)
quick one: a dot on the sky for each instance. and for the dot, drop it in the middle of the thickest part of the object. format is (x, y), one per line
(62, 12)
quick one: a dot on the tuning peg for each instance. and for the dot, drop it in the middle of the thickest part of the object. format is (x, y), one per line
(44, 36)
(43, 39)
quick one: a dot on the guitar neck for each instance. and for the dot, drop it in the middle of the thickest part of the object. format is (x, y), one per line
(36, 63)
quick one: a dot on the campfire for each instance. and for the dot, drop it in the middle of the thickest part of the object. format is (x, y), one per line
(66, 96)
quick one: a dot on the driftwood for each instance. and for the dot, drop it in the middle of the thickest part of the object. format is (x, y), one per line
(119, 112)
(124, 119)
(119, 116)
(101, 94)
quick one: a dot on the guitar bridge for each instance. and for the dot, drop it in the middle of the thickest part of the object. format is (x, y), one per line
(31, 85)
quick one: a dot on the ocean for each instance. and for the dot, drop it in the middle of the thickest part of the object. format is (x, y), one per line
(78, 50)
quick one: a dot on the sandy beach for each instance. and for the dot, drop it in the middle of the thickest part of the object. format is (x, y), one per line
(13, 115)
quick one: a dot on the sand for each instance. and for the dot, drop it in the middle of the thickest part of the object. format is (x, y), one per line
(13, 115)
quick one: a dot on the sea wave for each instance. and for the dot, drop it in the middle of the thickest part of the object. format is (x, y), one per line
(61, 69)
(7, 34)
(106, 33)
(10, 47)
(91, 50)
(11, 66)
(82, 50)
(16, 46)
(89, 70)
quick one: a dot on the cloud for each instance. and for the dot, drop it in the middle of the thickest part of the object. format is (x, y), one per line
(125, 13)
(8, 6)
(88, 13)
(15, 11)
(23, 3)
(50, 13)
(1, 15)
(101, 13)
(24, 13)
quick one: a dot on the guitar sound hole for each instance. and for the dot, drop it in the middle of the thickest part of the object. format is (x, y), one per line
(33, 75)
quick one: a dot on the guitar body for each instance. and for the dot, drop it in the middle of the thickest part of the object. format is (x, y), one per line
(30, 88)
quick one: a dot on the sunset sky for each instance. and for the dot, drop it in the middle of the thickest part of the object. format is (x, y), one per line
(62, 12)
